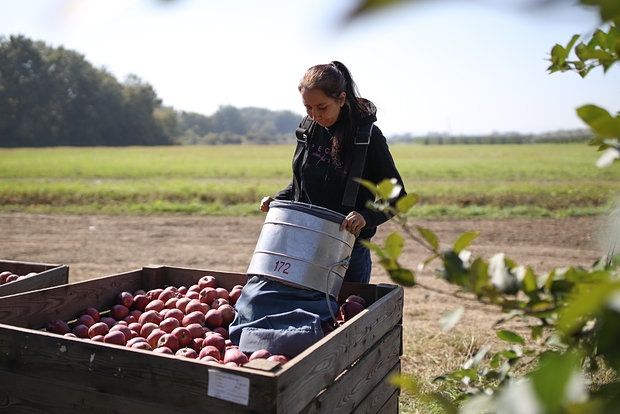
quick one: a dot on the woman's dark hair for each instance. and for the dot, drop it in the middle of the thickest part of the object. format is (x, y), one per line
(333, 79)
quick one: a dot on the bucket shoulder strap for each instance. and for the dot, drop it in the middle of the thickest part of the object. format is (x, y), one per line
(361, 142)
(303, 134)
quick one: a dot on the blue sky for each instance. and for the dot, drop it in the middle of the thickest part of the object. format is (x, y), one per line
(461, 67)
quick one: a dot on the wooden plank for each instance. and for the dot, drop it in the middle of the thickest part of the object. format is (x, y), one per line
(375, 402)
(124, 372)
(48, 275)
(317, 368)
(358, 381)
(22, 394)
(35, 309)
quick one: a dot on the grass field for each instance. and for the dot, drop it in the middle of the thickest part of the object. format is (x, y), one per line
(552, 180)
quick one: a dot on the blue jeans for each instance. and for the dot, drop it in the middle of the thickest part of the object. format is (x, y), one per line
(360, 265)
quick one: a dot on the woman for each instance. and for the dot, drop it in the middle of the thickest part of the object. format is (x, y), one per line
(322, 169)
(285, 319)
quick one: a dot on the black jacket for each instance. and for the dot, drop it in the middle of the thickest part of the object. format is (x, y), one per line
(318, 180)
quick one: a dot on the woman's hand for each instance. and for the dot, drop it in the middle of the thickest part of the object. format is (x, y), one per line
(353, 222)
(264, 203)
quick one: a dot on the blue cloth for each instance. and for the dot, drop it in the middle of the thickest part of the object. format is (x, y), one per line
(293, 315)
(360, 264)
(289, 333)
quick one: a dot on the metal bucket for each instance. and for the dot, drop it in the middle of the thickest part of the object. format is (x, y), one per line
(302, 245)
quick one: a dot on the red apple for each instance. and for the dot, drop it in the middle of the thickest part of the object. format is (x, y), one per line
(207, 280)
(196, 344)
(194, 317)
(213, 318)
(142, 345)
(175, 313)
(140, 302)
(163, 350)
(169, 341)
(156, 304)
(210, 359)
(211, 351)
(168, 293)
(108, 321)
(147, 328)
(183, 335)
(182, 303)
(97, 338)
(85, 319)
(222, 293)
(235, 355)
(228, 314)
(216, 340)
(80, 331)
(99, 328)
(119, 312)
(208, 295)
(259, 354)
(153, 293)
(350, 309)
(196, 305)
(135, 340)
(150, 316)
(282, 359)
(125, 299)
(94, 313)
(58, 326)
(356, 298)
(171, 303)
(182, 290)
(115, 337)
(196, 330)
(192, 294)
(124, 329)
(168, 324)
(186, 353)
(193, 288)
(233, 296)
(153, 337)
(222, 331)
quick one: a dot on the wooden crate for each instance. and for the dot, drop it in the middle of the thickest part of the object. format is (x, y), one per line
(48, 275)
(346, 372)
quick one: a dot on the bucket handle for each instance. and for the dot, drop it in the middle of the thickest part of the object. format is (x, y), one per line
(345, 263)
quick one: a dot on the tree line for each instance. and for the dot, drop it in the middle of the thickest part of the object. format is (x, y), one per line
(54, 97)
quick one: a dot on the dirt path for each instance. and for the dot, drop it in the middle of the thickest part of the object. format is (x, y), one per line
(99, 245)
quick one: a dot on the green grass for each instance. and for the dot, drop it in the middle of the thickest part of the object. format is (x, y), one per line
(542, 180)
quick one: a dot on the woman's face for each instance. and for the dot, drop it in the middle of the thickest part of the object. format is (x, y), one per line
(320, 107)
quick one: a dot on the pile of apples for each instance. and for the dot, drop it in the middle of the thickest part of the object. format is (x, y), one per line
(8, 277)
(185, 322)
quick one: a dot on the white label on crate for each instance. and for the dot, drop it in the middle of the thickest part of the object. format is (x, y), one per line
(229, 387)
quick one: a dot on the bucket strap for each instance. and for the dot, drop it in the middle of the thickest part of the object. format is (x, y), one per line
(303, 133)
(362, 140)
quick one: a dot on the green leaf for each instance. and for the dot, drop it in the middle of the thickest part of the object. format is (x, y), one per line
(386, 187)
(429, 236)
(585, 306)
(478, 276)
(449, 319)
(454, 272)
(510, 336)
(394, 245)
(601, 122)
(372, 187)
(552, 377)
(404, 204)
(571, 43)
(403, 277)
(375, 248)
(465, 240)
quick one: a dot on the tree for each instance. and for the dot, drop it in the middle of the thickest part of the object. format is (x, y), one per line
(572, 313)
